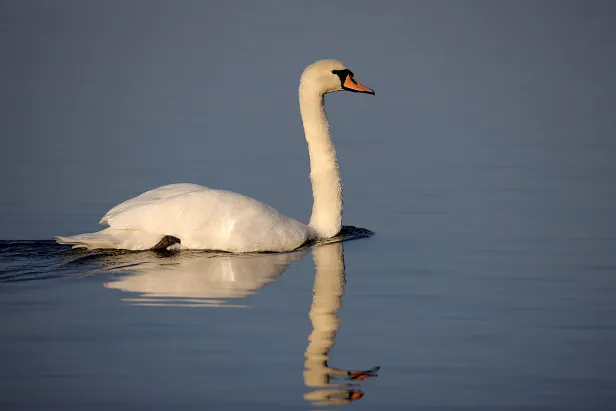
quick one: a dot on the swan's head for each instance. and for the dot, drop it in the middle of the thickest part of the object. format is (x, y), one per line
(327, 76)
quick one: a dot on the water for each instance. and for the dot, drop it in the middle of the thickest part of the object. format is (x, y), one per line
(484, 165)
(489, 284)
(511, 324)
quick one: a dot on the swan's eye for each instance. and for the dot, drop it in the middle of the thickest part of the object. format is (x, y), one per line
(343, 74)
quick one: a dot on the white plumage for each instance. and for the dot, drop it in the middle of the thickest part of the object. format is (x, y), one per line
(204, 218)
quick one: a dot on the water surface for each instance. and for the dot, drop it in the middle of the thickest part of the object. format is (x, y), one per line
(484, 165)
(281, 331)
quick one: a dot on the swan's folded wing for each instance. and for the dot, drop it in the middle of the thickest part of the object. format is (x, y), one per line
(148, 197)
(213, 219)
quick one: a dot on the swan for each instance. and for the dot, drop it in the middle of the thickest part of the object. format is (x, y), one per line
(190, 216)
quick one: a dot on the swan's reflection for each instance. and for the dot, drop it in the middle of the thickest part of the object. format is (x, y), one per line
(328, 290)
(198, 279)
(205, 279)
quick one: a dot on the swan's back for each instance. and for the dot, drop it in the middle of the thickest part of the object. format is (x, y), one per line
(160, 193)
(204, 218)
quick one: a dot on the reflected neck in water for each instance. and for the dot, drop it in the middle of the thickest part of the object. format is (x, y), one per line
(328, 290)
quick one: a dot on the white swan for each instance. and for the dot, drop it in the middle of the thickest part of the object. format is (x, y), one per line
(191, 216)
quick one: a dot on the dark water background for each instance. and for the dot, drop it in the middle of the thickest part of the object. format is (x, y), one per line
(484, 164)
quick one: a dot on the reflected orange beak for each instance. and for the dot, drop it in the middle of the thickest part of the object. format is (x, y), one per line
(355, 395)
(352, 85)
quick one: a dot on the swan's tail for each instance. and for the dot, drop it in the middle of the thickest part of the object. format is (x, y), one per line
(100, 239)
(112, 238)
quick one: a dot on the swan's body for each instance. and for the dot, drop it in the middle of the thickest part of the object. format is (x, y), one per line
(197, 217)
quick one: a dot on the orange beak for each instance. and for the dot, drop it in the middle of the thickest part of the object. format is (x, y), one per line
(352, 85)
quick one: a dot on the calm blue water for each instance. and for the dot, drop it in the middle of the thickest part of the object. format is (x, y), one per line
(489, 284)
(504, 324)
(485, 165)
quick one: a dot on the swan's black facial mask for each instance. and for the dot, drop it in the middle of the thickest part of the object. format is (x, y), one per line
(348, 82)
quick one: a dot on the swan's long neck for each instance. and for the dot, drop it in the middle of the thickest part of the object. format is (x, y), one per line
(326, 217)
